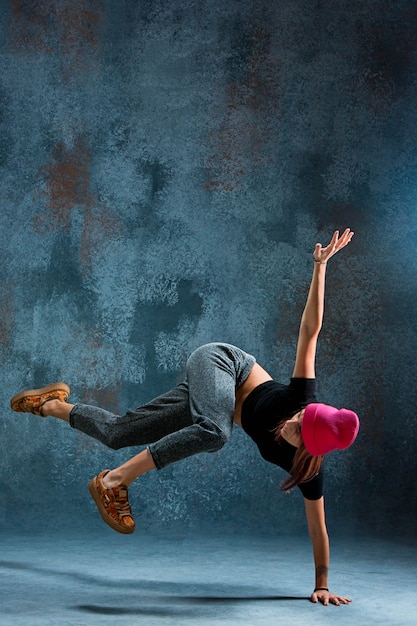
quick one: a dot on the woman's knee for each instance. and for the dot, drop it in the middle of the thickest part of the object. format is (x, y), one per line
(114, 436)
(113, 441)
(216, 437)
(220, 440)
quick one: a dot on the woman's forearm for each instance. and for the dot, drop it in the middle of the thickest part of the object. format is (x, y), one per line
(321, 551)
(312, 318)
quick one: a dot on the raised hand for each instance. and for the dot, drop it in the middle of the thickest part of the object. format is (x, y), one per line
(322, 255)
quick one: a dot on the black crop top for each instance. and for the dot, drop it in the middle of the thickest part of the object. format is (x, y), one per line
(264, 408)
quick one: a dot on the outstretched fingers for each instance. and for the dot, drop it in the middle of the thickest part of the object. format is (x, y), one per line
(326, 598)
(336, 243)
(345, 238)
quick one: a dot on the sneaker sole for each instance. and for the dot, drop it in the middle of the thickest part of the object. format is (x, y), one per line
(106, 517)
(39, 392)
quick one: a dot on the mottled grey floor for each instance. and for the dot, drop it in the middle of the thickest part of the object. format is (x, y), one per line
(105, 578)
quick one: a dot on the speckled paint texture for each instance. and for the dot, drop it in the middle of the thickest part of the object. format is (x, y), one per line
(166, 169)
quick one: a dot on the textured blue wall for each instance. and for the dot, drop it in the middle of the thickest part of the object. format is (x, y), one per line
(166, 168)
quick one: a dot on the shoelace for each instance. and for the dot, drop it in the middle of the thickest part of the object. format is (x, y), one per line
(122, 503)
(123, 508)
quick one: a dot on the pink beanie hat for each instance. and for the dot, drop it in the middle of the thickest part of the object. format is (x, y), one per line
(326, 428)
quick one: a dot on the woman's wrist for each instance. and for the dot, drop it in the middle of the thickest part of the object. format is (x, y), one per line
(320, 262)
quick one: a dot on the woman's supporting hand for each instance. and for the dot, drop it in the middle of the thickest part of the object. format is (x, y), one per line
(322, 255)
(326, 598)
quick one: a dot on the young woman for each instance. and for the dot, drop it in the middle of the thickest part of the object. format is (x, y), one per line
(224, 385)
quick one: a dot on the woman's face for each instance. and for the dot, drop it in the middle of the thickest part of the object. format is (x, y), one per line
(291, 430)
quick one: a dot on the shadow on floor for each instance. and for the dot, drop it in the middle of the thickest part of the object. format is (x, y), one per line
(238, 581)
(190, 600)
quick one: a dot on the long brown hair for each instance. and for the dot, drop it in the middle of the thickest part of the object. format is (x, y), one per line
(304, 467)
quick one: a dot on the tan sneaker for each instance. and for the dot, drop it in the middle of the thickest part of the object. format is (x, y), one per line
(32, 400)
(113, 504)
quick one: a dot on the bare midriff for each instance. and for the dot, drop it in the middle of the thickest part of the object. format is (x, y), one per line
(256, 377)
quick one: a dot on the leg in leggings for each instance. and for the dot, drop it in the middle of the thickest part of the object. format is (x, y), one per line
(156, 419)
(196, 416)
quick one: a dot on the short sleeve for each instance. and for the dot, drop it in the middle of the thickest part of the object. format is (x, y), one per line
(313, 489)
(304, 389)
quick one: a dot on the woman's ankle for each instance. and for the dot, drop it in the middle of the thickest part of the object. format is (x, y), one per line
(48, 408)
(128, 472)
(56, 408)
(113, 479)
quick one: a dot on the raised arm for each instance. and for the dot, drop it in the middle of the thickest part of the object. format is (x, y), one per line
(312, 318)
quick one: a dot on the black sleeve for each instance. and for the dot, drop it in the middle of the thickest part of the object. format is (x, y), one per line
(304, 389)
(313, 489)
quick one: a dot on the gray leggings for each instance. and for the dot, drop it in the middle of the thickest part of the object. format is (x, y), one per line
(196, 416)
